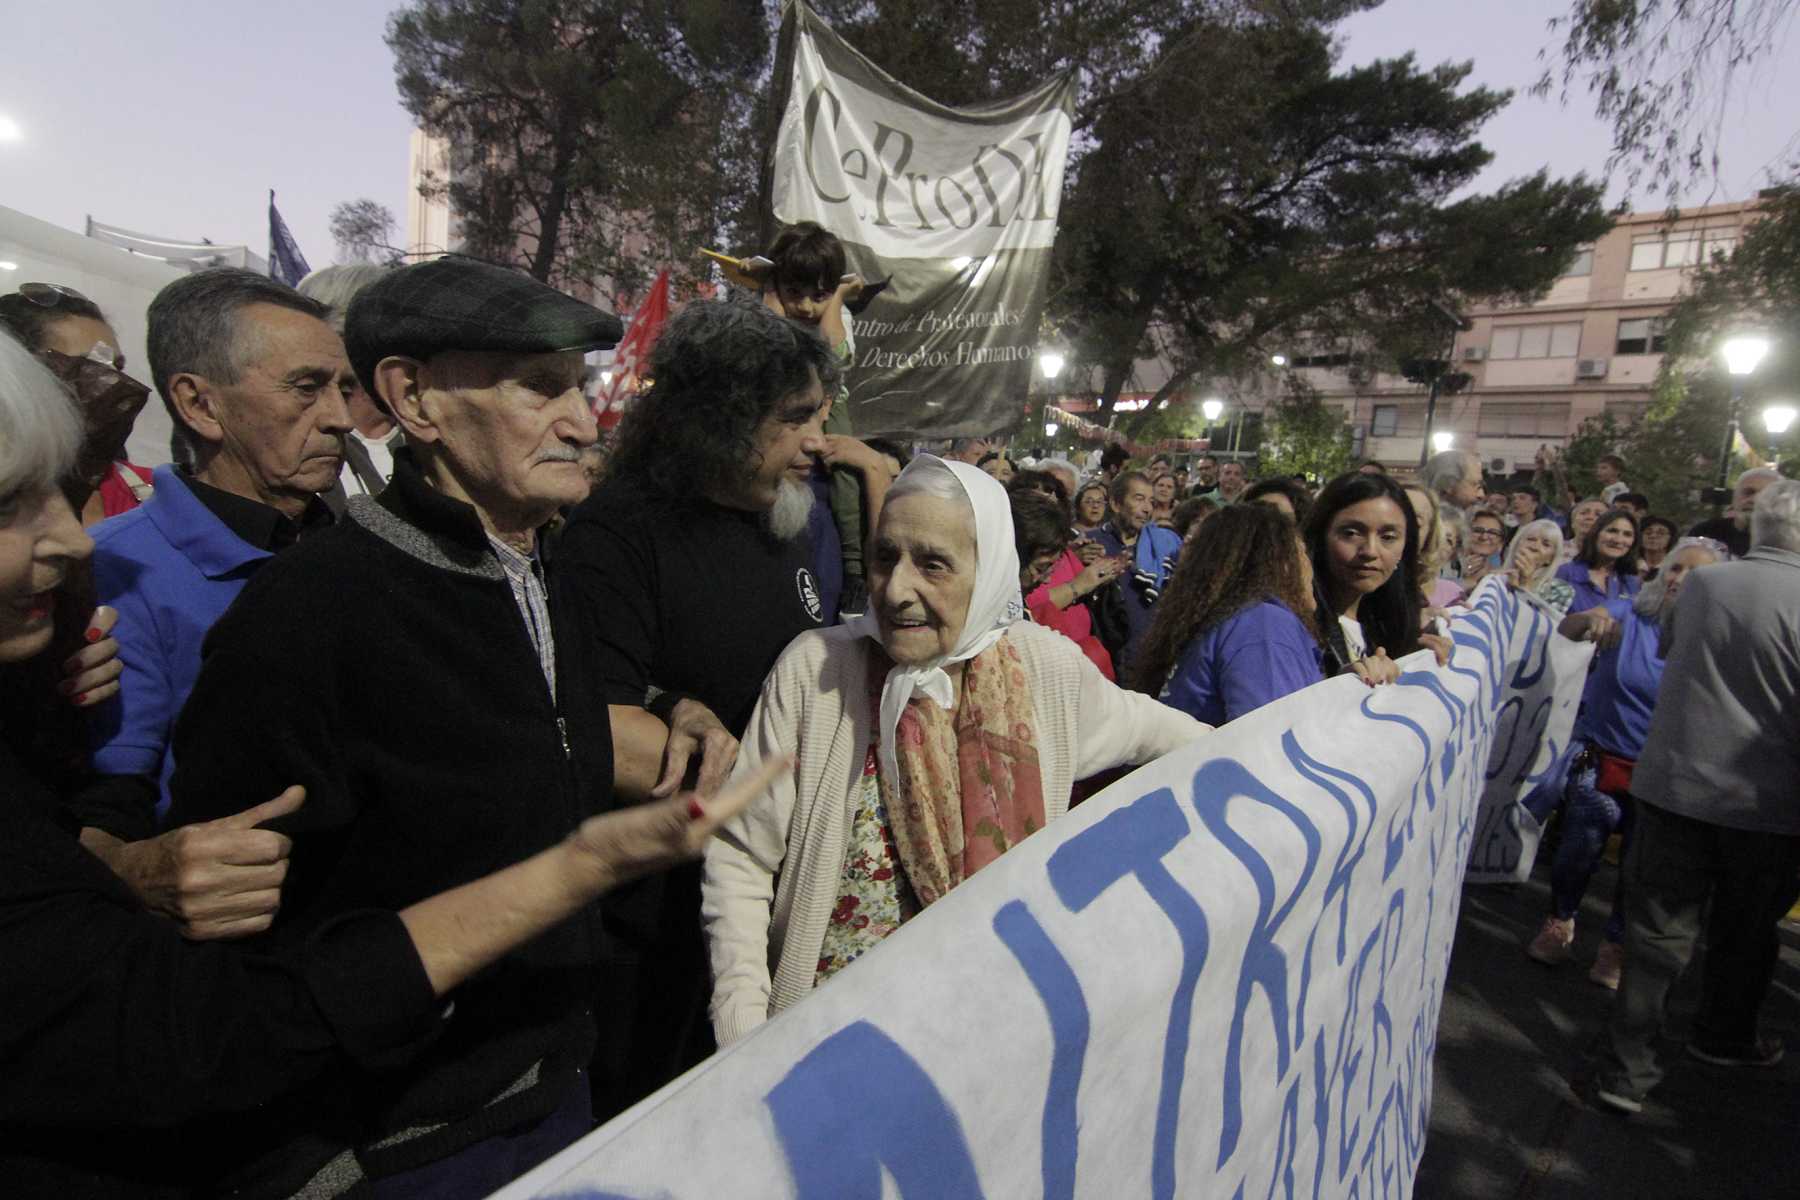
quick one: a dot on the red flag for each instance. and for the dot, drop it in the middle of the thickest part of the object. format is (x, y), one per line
(633, 353)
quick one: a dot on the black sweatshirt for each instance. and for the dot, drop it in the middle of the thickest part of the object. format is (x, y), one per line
(384, 665)
(687, 597)
(696, 599)
(117, 1035)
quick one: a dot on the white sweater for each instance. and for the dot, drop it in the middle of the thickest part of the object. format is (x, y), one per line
(764, 936)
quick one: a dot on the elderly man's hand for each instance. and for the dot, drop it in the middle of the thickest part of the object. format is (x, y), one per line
(220, 879)
(91, 674)
(693, 727)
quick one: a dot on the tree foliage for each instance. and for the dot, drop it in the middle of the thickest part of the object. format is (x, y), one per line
(1302, 435)
(590, 138)
(364, 231)
(1662, 73)
(1230, 190)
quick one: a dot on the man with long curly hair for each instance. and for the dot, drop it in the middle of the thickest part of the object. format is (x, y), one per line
(693, 569)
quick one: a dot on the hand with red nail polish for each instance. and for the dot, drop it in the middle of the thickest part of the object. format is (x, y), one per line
(91, 675)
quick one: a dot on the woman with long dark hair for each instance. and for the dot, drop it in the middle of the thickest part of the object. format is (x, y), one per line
(1235, 630)
(1363, 538)
(1606, 565)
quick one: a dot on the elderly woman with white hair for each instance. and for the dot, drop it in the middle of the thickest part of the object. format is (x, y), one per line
(929, 736)
(1531, 562)
(1610, 732)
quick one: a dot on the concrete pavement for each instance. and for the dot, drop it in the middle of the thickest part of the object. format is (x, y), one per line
(1504, 1123)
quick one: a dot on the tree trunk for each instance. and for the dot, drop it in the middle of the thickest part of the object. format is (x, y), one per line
(1116, 367)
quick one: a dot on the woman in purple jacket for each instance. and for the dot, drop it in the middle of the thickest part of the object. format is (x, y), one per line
(1605, 566)
(1234, 631)
(1610, 730)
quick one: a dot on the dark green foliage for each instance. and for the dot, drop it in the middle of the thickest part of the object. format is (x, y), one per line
(593, 137)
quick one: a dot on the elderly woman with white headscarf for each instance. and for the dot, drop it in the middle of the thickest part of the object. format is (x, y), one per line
(929, 736)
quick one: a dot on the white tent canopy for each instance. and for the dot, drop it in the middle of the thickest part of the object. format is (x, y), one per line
(120, 283)
(190, 256)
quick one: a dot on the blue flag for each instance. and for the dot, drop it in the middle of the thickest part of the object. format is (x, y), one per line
(286, 263)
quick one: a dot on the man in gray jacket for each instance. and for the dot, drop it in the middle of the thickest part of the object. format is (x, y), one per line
(1718, 811)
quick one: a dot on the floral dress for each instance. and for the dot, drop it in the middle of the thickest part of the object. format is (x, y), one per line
(873, 895)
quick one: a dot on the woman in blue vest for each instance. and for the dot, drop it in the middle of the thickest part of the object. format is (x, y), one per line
(1615, 718)
(1605, 566)
(1235, 630)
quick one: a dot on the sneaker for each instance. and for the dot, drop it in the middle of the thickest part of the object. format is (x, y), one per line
(1618, 1102)
(1553, 942)
(1765, 1053)
(1607, 964)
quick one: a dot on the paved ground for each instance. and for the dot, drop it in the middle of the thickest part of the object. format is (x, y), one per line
(1504, 1123)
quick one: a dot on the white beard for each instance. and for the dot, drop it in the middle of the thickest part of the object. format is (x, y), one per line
(792, 510)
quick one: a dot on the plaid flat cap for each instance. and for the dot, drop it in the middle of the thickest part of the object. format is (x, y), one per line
(457, 303)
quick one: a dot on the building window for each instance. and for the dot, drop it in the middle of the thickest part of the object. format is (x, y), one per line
(1524, 419)
(1385, 422)
(1583, 264)
(1642, 335)
(1536, 341)
(1682, 248)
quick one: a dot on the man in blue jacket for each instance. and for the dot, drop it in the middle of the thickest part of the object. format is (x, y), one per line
(1150, 549)
(255, 381)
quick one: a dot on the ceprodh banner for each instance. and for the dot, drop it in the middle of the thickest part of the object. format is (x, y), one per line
(958, 205)
(1219, 978)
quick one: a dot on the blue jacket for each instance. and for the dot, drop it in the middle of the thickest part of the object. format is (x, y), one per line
(171, 568)
(1249, 659)
(1153, 562)
(1620, 697)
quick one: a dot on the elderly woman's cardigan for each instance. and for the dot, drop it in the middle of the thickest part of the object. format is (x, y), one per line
(772, 877)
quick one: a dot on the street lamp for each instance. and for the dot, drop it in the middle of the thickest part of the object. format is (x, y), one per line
(1050, 362)
(1212, 409)
(1777, 417)
(1051, 429)
(1741, 352)
(1279, 360)
(1442, 440)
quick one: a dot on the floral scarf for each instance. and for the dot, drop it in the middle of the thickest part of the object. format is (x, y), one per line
(969, 785)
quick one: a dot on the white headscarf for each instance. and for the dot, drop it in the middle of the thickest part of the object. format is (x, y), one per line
(994, 604)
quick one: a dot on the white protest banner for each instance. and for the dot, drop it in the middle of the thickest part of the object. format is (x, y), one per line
(1220, 977)
(958, 205)
(1536, 724)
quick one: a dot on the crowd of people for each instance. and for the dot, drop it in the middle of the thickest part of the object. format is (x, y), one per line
(398, 783)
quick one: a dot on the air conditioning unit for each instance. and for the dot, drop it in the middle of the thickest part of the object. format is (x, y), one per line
(1590, 368)
(1498, 466)
(1474, 353)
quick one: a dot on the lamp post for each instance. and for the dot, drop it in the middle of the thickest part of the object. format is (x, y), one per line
(1742, 353)
(1442, 440)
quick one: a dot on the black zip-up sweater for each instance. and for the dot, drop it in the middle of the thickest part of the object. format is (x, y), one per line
(384, 665)
(121, 1042)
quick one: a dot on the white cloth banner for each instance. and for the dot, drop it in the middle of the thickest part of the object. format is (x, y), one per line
(1535, 725)
(955, 207)
(1221, 977)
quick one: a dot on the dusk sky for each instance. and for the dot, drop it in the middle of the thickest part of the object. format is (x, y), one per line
(175, 120)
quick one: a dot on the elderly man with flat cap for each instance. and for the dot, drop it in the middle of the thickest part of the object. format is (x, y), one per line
(415, 671)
